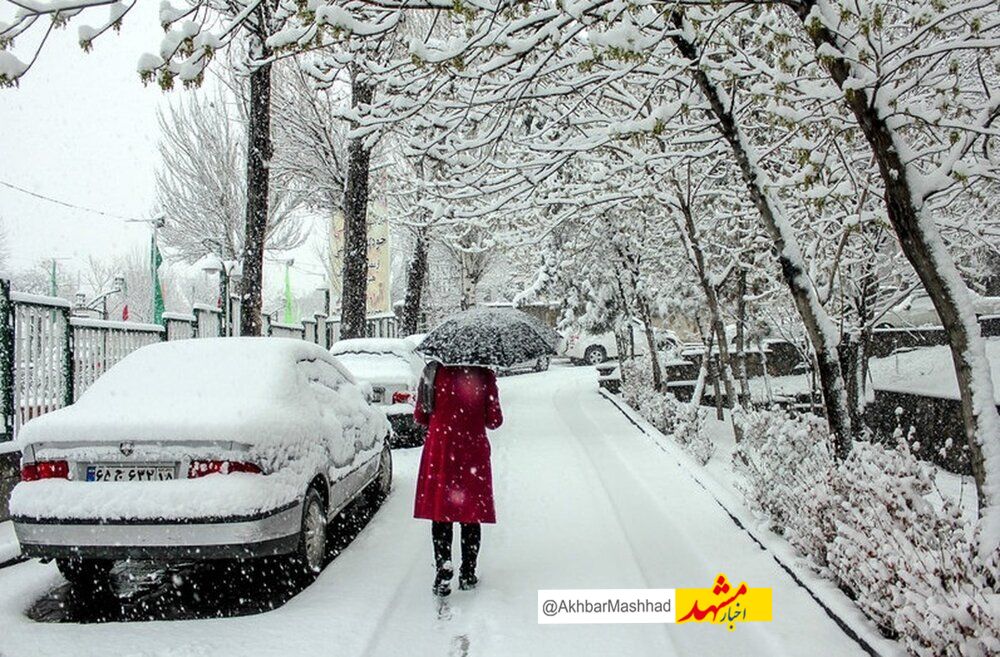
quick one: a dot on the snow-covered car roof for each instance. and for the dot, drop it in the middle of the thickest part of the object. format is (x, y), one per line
(399, 346)
(249, 390)
(380, 360)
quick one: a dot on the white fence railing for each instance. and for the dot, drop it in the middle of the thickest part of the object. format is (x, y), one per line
(48, 357)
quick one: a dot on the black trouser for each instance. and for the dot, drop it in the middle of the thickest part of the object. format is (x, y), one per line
(442, 534)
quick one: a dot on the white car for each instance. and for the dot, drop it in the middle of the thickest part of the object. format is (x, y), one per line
(918, 310)
(216, 448)
(595, 348)
(392, 367)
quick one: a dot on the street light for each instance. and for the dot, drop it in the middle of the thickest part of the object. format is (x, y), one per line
(229, 273)
(81, 298)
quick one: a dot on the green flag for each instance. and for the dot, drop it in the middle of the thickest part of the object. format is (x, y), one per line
(289, 312)
(154, 261)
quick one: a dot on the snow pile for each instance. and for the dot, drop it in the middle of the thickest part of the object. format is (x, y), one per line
(875, 525)
(683, 422)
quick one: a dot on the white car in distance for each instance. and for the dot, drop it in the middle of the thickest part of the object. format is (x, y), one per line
(392, 367)
(595, 348)
(215, 448)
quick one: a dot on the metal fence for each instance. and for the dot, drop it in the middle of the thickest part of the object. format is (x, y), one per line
(48, 357)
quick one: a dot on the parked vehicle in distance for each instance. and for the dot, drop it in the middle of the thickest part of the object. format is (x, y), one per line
(392, 367)
(595, 348)
(218, 448)
(918, 310)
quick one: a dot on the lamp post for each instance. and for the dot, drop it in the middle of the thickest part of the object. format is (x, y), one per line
(213, 264)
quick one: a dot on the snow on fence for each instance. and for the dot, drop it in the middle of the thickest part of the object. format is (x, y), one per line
(48, 357)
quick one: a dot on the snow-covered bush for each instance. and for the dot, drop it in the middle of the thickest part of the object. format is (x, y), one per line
(682, 421)
(876, 525)
(911, 563)
(787, 469)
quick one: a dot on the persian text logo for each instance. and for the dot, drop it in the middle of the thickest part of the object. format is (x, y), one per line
(723, 604)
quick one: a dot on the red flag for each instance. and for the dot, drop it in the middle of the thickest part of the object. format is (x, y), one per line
(125, 313)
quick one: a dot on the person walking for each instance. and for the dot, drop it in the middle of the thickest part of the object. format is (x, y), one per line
(455, 482)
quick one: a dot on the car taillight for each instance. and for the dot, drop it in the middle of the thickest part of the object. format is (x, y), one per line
(401, 397)
(202, 468)
(45, 470)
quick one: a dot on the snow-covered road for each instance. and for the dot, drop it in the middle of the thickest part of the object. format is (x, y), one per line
(584, 500)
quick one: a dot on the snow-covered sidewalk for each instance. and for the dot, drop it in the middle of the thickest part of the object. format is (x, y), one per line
(584, 500)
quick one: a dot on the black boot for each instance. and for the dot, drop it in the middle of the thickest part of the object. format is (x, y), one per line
(441, 533)
(442, 582)
(471, 535)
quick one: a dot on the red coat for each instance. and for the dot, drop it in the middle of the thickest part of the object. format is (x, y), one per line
(455, 483)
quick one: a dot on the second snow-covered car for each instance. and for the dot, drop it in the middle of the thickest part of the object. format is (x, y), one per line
(393, 368)
(200, 449)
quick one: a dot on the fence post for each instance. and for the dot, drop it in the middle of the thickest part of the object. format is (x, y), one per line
(68, 364)
(322, 337)
(7, 360)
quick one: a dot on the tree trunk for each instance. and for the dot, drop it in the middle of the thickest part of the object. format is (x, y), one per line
(713, 364)
(717, 326)
(416, 274)
(654, 356)
(814, 318)
(354, 291)
(741, 341)
(259, 151)
(699, 386)
(921, 243)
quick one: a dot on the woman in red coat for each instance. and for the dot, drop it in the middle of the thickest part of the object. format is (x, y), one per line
(455, 484)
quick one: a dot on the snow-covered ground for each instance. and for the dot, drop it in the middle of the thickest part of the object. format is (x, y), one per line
(584, 500)
(929, 371)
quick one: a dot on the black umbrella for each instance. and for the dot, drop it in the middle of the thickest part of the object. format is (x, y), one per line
(491, 337)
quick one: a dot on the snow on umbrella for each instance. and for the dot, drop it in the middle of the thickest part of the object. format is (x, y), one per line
(491, 337)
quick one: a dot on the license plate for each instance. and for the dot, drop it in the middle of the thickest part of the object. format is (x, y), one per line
(378, 395)
(131, 472)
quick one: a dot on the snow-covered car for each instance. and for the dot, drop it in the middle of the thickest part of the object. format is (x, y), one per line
(218, 448)
(392, 367)
(595, 348)
(918, 310)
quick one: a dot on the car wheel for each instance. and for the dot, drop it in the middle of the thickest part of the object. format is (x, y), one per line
(542, 364)
(309, 557)
(86, 573)
(595, 355)
(383, 478)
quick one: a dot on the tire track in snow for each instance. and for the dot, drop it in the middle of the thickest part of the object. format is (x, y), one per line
(607, 494)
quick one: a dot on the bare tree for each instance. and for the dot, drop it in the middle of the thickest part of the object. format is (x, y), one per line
(202, 187)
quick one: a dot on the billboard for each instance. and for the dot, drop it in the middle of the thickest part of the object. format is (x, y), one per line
(379, 299)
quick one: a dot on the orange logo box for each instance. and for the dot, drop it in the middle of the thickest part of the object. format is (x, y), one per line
(723, 604)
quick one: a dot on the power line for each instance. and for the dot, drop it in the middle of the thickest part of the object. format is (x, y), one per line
(111, 215)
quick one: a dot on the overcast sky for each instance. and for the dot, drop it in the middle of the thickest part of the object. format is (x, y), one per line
(81, 128)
